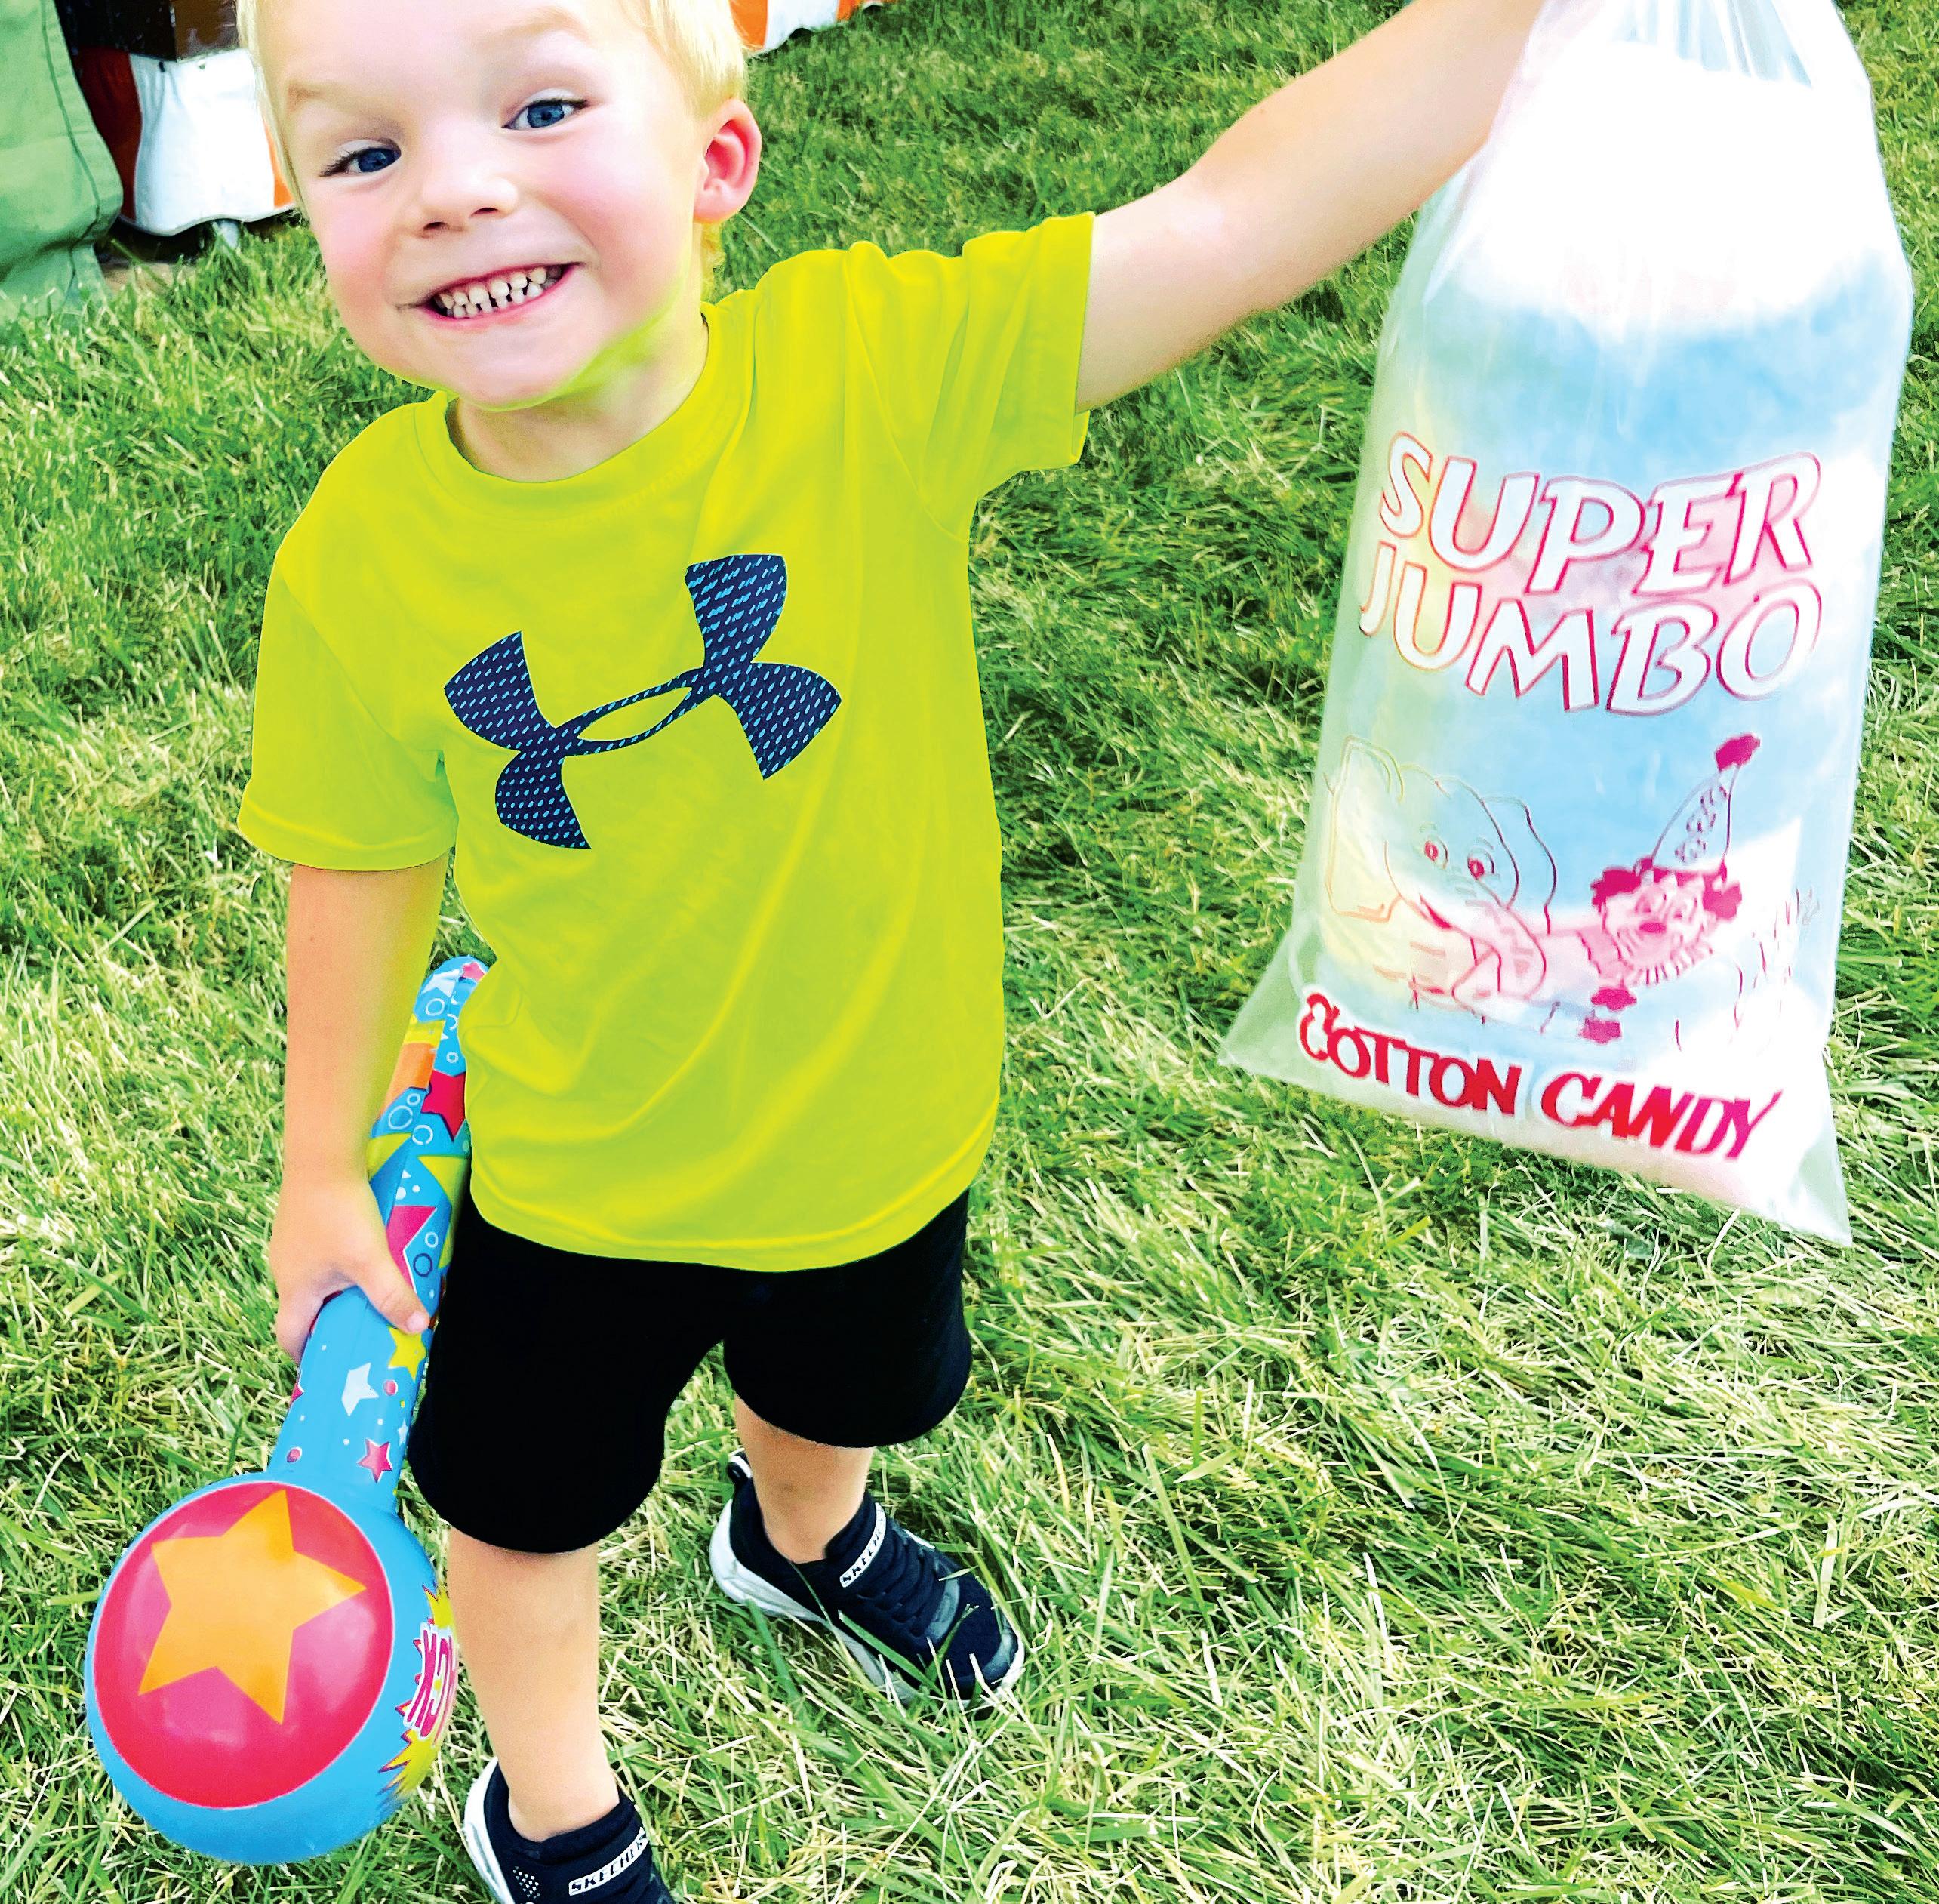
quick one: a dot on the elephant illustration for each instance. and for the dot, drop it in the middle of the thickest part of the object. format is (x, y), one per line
(1459, 886)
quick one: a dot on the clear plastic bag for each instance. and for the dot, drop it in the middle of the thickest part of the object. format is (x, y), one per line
(1575, 858)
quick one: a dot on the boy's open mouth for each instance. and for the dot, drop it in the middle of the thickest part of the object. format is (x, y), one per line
(468, 300)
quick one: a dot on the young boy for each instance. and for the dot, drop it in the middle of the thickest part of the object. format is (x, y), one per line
(657, 610)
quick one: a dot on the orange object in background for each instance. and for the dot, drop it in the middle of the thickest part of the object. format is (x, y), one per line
(766, 24)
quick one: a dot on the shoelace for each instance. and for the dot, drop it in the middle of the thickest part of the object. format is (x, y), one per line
(903, 1587)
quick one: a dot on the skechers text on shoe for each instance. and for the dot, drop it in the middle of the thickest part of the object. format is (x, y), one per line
(608, 1862)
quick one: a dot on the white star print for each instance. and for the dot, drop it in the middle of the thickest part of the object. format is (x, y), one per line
(357, 1388)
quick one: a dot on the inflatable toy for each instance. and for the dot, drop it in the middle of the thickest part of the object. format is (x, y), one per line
(1575, 855)
(273, 1661)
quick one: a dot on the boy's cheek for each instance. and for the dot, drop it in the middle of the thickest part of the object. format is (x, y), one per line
(354, 271)
(376, 324)
(620, 197)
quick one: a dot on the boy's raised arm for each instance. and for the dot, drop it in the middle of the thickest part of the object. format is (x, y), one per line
(1309, 178)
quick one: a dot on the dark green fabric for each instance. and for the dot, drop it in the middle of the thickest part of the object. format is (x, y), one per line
(58, 185)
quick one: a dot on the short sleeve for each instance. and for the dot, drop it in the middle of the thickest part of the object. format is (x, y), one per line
(328, 785)
(975, 357)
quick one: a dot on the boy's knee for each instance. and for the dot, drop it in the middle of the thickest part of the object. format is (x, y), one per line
(487, 1554)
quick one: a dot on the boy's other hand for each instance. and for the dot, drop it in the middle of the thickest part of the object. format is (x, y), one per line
(327, 1237)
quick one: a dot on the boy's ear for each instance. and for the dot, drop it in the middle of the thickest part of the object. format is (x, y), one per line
(729, 164)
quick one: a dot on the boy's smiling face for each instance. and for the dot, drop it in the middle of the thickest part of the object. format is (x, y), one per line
(456, 144)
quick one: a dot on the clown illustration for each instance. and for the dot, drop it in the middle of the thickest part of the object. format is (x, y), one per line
(1460, 890)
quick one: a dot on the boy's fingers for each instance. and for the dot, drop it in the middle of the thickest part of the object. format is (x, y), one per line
(392, 1298)
(395, 1299)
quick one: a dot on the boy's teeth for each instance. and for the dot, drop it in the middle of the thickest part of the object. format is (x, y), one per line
(494, 293)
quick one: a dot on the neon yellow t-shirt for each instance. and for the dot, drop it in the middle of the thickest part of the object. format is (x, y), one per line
(703, 723)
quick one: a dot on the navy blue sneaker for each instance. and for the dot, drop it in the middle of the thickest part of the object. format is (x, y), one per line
(607, 1862)
(912, 1618)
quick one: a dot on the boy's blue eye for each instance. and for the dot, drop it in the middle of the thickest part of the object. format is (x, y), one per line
(353, 161)
(556, 111)
(545, 114)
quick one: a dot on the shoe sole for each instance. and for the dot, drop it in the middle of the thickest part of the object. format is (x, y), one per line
(478, 1839)
(743, 1584)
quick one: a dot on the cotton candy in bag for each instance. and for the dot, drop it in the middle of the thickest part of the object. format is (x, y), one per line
(1574, 857)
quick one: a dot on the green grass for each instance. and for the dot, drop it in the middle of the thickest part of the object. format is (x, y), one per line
(1394, 1519)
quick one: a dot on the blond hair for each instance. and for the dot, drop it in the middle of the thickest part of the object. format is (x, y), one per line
(700, 40)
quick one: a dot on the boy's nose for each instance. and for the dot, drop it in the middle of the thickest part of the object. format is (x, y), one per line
(457, 187)
(453, 210)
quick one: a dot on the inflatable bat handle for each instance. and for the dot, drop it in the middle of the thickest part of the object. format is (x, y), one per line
(357, 1383)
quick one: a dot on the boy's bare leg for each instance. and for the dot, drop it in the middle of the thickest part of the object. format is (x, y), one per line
(808, 1491)
(528, 1637)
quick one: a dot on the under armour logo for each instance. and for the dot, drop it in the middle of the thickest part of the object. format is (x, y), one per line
(737, 601)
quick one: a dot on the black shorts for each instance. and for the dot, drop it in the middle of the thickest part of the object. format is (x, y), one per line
(541, 1423)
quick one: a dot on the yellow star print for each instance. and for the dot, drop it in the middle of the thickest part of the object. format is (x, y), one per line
(236, 1600)
(407, 1350)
